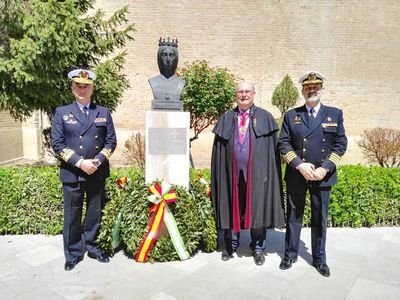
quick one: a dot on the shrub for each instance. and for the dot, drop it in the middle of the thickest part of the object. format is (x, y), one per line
(135, 150)
(209, 92)
(382, 146)
(31, 201)
(285, 95)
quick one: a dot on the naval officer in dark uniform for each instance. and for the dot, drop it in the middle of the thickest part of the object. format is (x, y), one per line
(312, 141)
(83, 136)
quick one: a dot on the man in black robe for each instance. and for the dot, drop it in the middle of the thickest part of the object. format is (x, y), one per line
(246, 174)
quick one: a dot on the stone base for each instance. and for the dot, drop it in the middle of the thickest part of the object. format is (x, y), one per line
(167, 105)
(167, 147)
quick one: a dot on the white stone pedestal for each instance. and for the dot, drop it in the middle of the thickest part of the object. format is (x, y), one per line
(167, 147)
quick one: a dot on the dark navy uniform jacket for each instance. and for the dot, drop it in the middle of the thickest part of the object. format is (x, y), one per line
(321, 142)
(75, 136)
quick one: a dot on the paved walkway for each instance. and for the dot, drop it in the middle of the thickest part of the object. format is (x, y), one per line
(365, 264)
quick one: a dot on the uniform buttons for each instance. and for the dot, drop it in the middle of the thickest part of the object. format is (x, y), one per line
(80, 136)
(322, 160)
(81, 146)
(97, 147)
(304, 150)
(305, 139)
(96, 137)
(304, 159)
(323, 140)
(322, 150)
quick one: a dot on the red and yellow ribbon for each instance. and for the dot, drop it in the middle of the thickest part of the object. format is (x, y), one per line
(160, 196)
(122, 182)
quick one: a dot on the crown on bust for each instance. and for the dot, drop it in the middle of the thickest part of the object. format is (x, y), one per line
(168, 42)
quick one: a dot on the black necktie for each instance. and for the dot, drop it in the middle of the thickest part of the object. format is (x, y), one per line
(85, 112)
(312, 113)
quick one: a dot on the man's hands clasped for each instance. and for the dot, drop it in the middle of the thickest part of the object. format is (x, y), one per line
(89, 166)
(311, 173)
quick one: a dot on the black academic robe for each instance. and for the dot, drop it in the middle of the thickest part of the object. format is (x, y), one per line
(267, 207)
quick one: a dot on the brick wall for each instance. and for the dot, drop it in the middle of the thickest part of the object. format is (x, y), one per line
(355, 44)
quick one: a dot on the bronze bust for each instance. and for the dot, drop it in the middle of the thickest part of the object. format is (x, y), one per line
(167, 87)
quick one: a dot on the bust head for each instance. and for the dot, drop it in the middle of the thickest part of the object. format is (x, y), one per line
(167, 57)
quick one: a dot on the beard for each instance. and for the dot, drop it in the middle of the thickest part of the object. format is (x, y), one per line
(312, 99)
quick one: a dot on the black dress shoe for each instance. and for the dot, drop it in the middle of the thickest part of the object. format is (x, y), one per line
(102, 257)
(259, 257)
(225, 256)
(323, 269)
(286, 263)
(69, 265)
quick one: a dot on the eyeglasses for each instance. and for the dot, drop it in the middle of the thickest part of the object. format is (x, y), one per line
(247, 92)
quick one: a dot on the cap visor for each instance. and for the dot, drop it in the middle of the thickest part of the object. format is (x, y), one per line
(82, 80)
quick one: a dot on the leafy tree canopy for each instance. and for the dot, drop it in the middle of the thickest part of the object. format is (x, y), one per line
(285, 95)
(40, 40)
(209, 92)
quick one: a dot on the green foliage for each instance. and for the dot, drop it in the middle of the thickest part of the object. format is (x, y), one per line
(204, 207)
(114, 204)
(30, 201)
(285, 95)
(192, 211)
(364, 196)
(209, 92)
(40, 39)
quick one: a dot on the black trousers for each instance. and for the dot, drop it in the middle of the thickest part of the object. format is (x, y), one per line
(72, 229)
(258, 235)
(320, 198)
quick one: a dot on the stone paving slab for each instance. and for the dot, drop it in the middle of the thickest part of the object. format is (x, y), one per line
(365, 264)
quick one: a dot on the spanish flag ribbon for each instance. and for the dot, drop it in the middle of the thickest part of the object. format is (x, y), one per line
(122, 182)
(160, 196)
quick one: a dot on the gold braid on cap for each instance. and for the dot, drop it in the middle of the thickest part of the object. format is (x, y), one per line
(83, 74)
(312, 78)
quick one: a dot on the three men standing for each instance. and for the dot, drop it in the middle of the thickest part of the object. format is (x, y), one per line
(245, 169)
(245, 174)
(83, 136)
(312, 141)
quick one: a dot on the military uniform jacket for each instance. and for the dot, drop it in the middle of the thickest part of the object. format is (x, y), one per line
(75, 136)
(321, 141)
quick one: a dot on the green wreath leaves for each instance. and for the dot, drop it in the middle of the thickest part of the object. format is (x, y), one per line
(192, 211)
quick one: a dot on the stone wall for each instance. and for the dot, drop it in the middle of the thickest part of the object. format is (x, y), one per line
(10, 138)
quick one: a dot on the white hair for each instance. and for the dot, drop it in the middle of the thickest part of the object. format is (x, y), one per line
(246, 82)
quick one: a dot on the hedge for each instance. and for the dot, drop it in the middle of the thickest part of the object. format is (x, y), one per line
(31, 198)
